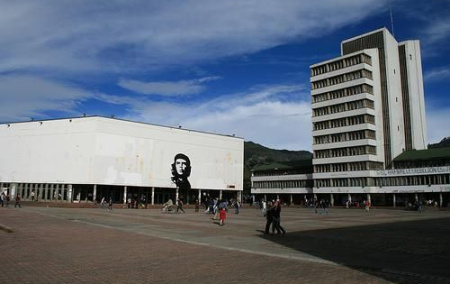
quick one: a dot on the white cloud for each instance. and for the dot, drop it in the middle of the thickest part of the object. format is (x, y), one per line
(275, 116)
(437, 74)
(436, 30)
(185, 87)
(23, 97)
(119, 36)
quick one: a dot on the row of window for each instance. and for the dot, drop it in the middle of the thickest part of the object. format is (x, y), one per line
(385, 181)
(348, 167)
(283, 184)
(365, 103)
(346, 136)
(343, 152)
(305, 170)
(343, 182)
(346, 121)
(341, 79)
(364, 88)
(336, 65)
(413, 180)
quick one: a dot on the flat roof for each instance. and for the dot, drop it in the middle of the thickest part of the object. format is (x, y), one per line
(118, 119)
(422, 155)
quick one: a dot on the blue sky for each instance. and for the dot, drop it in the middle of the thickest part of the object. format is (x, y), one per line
(230, 67)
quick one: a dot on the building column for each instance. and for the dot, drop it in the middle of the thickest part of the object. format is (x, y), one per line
(13, 190)
(199, 196)
(125, 189)
(94, 193)
(265, 197)
(41, 190)
(331, 200)
(368, 198)
(394, 200)
(278, 197)
(1, 187)
(291, 199)
(25, 191)
(64, 192)
(416, 197)
(45, 193)
(239, 196)
(176, 194)
(69, 193)
(349, 197)
(220, 194)
(51, 194)
(19, 190)
(153, 196)
(441, 200)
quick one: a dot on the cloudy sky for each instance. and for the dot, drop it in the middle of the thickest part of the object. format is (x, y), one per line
(230, 67)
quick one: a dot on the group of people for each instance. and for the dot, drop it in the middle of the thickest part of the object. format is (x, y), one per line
(5, 199)
(168, 206)
(273, 218)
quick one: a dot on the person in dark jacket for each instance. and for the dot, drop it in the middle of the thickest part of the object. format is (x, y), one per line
(276, 219)
(269, 217)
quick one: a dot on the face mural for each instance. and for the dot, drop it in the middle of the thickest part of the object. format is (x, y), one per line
(181, 170)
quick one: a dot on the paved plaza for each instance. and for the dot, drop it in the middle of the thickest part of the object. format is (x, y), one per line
(87, 245)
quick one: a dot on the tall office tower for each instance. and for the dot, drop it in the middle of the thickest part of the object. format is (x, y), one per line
(368, 107)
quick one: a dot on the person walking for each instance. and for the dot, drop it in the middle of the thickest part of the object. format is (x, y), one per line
(110, 204)
(180, 205)
(237, 206)
(17, 201)
(269, 217)
(223, 208)
(276, 219)
(367, 205)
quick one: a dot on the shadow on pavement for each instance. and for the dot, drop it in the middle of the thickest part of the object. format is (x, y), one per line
(402, 252)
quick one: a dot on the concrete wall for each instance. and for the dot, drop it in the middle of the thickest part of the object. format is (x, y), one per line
(97, 150)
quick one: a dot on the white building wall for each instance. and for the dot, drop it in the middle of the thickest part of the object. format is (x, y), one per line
(394, 95)
(416, 95)
(96, 150)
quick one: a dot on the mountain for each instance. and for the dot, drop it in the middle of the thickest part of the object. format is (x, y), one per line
(443, 144)
(256, 155)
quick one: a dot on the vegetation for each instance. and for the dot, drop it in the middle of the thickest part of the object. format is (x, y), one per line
(444, 143)
(256, 155)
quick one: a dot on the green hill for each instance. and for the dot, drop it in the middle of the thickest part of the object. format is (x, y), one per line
(258, 157)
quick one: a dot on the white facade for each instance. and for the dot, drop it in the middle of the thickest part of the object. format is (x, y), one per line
(368, 107)
(105, 151)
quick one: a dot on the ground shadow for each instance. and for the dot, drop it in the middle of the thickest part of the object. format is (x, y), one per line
(402, 252)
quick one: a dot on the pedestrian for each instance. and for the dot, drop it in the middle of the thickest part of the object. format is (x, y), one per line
(197, 205)
(32, 195)
(7, 200)
(237, 206)
(324, 206)
(102, 202)
(180, 205)
(316, 205)
(2, 198)
(110, 204)
(367, 205)
(276, 219)
(223, 208)
(269, 218)
(17, 201)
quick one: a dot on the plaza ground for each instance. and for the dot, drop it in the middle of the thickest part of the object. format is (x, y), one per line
(93, 245)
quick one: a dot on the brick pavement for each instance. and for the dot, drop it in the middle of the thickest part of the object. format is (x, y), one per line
(65, 245)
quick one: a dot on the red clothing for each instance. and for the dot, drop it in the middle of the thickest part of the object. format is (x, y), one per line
(223, 214)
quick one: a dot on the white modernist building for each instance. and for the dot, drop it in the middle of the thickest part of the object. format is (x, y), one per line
(88, 158)
(367, 109)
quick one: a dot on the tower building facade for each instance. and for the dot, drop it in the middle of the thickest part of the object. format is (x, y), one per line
(367, 107)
